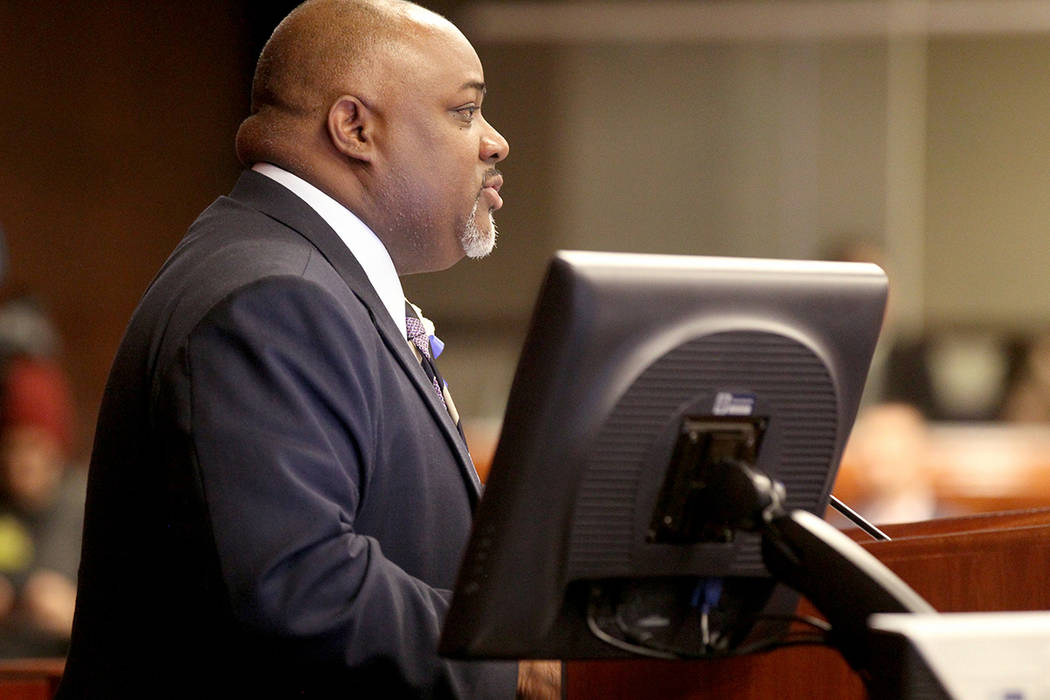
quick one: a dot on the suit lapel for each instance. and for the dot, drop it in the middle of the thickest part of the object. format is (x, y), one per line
(276, 201)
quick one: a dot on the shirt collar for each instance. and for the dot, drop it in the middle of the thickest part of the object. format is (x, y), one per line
(362, 242)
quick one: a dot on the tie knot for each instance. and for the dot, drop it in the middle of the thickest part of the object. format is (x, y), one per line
(417, 335)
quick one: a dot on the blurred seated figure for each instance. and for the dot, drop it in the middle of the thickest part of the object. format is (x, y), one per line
(955, 373)
(1028, 399)
(952, 372)
(886, 465)
(41, 510)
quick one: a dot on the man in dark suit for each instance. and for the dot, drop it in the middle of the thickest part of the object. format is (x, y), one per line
(278, 494)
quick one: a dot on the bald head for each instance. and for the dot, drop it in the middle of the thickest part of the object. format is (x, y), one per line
(323, 49)
(377, 103)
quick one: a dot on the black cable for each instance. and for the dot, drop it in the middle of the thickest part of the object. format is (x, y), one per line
(661, 652)
(859, 520)
(623, 645)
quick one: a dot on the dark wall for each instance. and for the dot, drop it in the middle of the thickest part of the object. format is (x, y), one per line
(116, 128)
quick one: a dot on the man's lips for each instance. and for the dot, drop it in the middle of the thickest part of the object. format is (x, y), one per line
(490, 189)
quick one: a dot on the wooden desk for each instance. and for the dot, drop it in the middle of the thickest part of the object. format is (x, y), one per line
(985, 562)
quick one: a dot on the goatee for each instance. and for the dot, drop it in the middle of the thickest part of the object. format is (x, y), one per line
(478, 243)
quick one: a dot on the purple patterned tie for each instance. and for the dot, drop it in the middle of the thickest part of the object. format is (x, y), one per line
(417, 335)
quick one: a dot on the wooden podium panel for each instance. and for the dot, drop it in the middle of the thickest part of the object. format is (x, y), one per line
(976, 563)
(30, 679)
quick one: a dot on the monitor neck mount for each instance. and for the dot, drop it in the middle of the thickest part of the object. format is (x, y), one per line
(844, 581)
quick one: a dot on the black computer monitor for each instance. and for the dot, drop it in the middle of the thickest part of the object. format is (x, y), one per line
(604, 529)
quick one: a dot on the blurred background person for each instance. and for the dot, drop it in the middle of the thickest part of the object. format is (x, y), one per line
(1028, 399)
(886, 473)
(41, 509)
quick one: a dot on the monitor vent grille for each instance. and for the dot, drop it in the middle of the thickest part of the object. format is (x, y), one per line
(795, 392)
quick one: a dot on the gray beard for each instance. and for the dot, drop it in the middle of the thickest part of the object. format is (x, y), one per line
(475, 242)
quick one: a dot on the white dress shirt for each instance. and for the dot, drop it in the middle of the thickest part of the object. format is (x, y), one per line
(362, 242)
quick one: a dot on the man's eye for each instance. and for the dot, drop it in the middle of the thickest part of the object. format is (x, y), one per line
(467, 112)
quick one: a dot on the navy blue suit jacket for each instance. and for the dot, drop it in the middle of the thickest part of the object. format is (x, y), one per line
(277, 499)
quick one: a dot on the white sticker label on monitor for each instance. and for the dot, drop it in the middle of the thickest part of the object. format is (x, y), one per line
(729, 404)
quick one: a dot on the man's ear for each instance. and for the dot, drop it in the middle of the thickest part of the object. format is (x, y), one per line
(350, 128)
